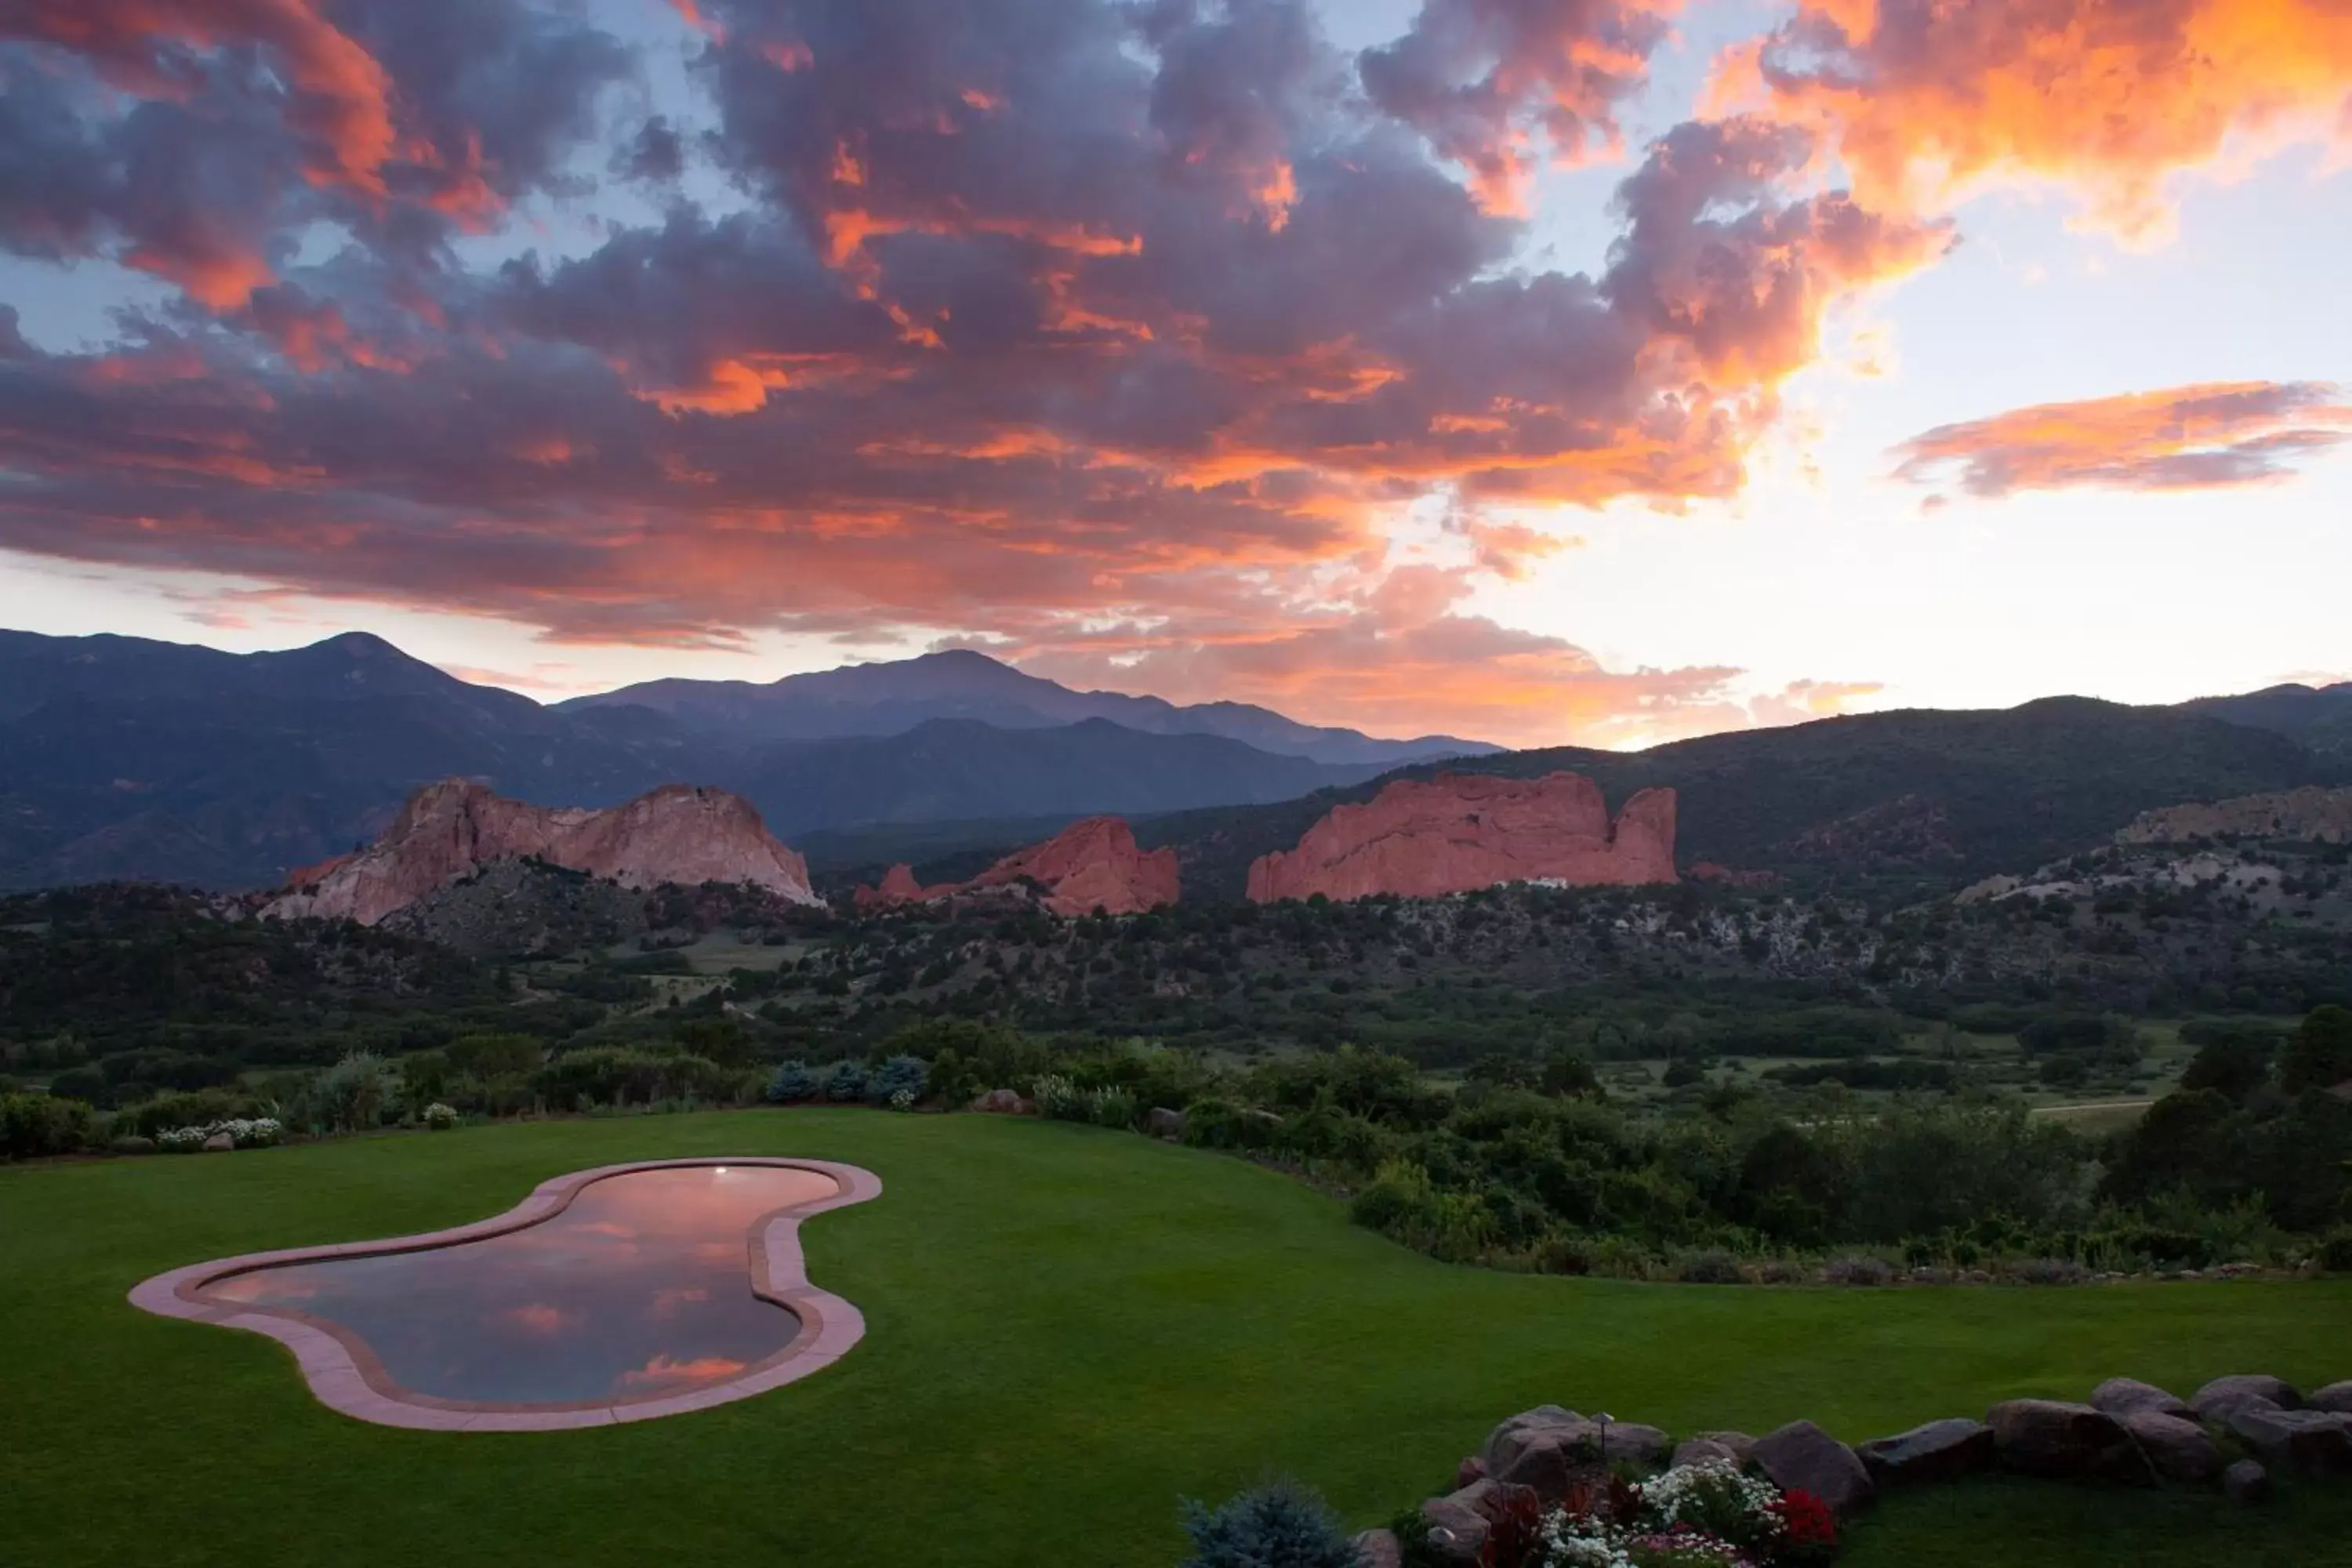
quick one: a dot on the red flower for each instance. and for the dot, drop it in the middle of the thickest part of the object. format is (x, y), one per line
(1806, 1522)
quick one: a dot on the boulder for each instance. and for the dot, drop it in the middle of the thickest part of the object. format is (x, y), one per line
(1742, 1447)
(2122, 1396)
(1456, 832)
(1457, 1531)
(1635, 1444)
(1002, 1101)
(2245, 1481)
(219, 1144)
(1938, 1451)
(132, 1144)
(2180, 1449)
(1801, 1457)
(1703, 1451)
(1469, 1472)
(1379, 1549)
(1496, 1450)
(2336, 1397)
(2222, 1396)
(1163, 1122)
(2066, 1442)
(2301, 1442)
(1551, 1459)
(1459, 1524)
(447, 831)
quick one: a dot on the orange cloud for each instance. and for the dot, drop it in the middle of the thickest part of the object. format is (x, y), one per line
(343, 96)
(1924, 99)
(2207, 436)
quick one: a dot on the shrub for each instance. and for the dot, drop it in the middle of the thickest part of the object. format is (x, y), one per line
(133, 1145)
(1282, 1525)
(35, 1124)
(1711, 1267)
(354, 1091)
(1860, 1269)
(2336, 1250)
(440, 1118)
(901, 1075)
(1059, 1098)
(792, 1083)
(845, 1083)
(2050, 1271)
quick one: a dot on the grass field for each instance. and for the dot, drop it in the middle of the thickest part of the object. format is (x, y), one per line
(1068, 1329)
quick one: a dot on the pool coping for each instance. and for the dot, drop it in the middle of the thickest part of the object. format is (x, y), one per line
(345, 1376)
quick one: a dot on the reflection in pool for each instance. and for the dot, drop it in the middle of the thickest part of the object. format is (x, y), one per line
(641, 1287)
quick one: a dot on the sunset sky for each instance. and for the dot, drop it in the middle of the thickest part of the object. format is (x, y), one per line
(1600, 371)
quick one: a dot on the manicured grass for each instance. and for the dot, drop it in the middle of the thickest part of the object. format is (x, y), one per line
(1067, 1329)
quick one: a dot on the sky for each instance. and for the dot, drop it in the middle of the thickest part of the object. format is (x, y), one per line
(1546, 371)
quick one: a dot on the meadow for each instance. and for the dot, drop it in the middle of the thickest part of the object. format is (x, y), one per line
(1068, 1329)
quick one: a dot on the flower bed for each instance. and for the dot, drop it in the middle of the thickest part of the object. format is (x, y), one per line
(244, 1133)
(1708, 1512)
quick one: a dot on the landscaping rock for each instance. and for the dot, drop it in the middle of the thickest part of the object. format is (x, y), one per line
(1636, 1444)
(132, 1144)
(1701, 1451)
(2066, 1442)
(1469, 1472)
(2304, 1442)
(2224, 1395)
(1551, 1459)
(2178, 1449)
(2336, 1397)
(1163, 1122)
(1457, 1531)
(2245, 1481)
(1379, 1549)
(1742, 1447)
(1938, 1451)
(2122, 1396)
(1802, 1456)
(1496, 1451)
(219, 1144)
(1003, 1101)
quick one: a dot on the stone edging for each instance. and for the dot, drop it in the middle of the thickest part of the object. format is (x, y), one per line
(345, 1376)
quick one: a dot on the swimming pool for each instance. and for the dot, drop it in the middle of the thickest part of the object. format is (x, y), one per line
(609, 1295)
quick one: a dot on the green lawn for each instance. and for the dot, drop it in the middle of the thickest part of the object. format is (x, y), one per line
(1067, 1329)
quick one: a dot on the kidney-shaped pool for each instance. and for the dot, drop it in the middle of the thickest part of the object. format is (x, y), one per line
(609, 1295)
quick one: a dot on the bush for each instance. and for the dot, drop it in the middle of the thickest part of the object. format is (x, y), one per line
(1711, 1267)
(1282, 1525)
(2336, 1250)
(1858, 1270)
(791, 1084)
(901, 1075)
(1059, 1098)
(845, 1083)
(32, 1125)
(440, 1118)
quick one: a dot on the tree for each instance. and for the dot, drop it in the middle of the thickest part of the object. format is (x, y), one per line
(2321, 1056)
(2234, 1066)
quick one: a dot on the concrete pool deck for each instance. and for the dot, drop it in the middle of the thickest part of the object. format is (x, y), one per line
(346, 1376)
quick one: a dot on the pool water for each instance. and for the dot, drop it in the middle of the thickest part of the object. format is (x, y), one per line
(641, 1287)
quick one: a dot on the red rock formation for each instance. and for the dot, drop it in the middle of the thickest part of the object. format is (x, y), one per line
(1462, 831)
(899, 887)
(675, 834)
(1089, 864)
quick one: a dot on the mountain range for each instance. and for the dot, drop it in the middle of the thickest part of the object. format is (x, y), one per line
(123, 758)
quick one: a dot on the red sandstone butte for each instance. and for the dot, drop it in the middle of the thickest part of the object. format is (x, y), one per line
(1462, 831)
(1089, 864)
(899, 887)
(679, 833)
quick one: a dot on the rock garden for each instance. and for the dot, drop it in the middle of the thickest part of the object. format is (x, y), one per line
(1551, 1488)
